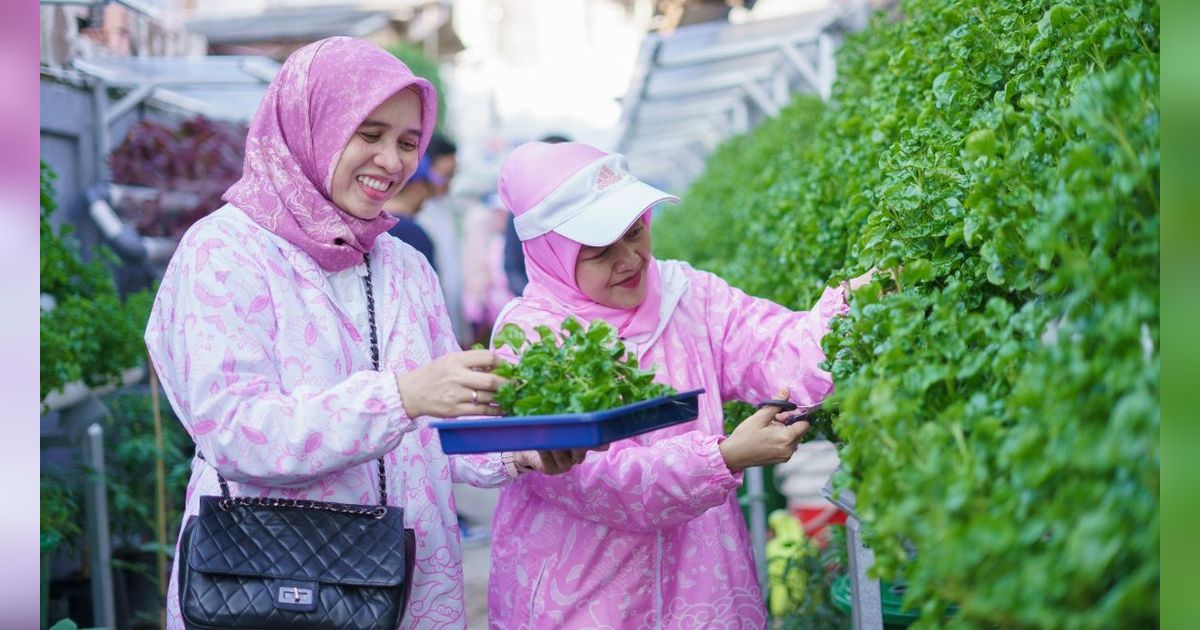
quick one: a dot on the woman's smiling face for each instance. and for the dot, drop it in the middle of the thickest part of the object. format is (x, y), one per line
(615, 275)
(379, 157)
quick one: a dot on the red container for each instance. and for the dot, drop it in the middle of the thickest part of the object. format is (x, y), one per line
(816, 518)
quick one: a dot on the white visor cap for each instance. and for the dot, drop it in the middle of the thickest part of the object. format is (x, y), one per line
(594, 206)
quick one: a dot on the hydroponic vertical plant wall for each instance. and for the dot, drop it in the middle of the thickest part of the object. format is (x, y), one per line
(999, 412)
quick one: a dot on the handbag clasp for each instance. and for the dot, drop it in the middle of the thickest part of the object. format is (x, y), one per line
(295, 595)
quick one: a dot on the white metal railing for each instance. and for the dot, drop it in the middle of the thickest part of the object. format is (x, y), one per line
(866, 601)
(797, 56)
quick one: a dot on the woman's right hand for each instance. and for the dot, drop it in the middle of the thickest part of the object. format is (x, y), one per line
(762, 439)
(453, 385)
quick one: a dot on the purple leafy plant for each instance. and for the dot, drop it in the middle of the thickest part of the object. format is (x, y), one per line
(187, 167)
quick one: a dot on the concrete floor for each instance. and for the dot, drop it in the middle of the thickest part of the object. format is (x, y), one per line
(477, 505)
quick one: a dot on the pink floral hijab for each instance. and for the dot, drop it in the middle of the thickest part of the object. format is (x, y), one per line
(320, 96)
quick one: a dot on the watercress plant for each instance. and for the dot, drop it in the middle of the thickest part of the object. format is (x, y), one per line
(998, 414)
(575, 371)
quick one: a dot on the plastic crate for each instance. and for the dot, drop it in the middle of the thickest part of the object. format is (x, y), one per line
(569, 430)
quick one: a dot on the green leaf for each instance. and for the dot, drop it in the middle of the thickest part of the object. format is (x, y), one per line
(981, 143)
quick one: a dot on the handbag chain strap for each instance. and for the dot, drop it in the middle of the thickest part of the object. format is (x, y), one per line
(374, 361)
(227, 502)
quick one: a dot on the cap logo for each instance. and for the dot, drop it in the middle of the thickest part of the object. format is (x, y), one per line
(606, 177)
(592, 186)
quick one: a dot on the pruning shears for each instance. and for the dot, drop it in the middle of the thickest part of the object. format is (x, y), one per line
(787, 405)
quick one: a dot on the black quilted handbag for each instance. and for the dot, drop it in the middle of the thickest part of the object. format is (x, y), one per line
(281, 563)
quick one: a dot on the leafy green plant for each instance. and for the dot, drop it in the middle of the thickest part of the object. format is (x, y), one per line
(90, 334)
(131, 453)
(998, 413)
(60, 512)
(809, 571)
(575, 371)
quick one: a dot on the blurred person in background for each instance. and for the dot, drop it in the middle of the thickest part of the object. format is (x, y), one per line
(441, 218)
(431, 179)
(485, 286)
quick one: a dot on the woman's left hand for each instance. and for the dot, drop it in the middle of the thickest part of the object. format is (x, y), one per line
(552, 462)
(854, 283)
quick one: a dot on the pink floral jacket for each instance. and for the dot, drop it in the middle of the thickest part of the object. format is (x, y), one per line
(649, 534)
(272, 377)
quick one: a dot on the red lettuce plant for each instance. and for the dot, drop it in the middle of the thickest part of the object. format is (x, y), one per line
(187, 167)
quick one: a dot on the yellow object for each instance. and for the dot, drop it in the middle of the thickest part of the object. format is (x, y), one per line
(785, 584)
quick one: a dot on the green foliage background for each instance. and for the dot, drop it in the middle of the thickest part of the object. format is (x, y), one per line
(426, 68)
(90, 334)
(131, 452)
(1000, 411)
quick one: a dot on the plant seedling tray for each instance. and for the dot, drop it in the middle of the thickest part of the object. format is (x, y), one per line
(568, 430)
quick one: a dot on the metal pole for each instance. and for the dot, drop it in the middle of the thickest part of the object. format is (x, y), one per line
(761, 98)
(811, 75)
(99, 538)
(757, 497)
(100, 124)
(865, 601)
(826, 65)
(866, 609)
(782, 91)
(740, 117)
(160, 485)
(127, 102)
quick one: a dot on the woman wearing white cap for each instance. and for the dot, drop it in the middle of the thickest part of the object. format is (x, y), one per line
(648, 534)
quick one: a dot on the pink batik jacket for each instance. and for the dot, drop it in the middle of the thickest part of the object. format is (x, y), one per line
(649, 534)
(271, 375)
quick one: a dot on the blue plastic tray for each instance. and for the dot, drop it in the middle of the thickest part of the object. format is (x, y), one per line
(568, 430)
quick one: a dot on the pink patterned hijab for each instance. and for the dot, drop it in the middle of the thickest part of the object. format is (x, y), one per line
(320, 96)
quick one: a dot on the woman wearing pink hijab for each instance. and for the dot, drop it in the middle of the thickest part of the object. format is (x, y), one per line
(648, 534)
(263, 327)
